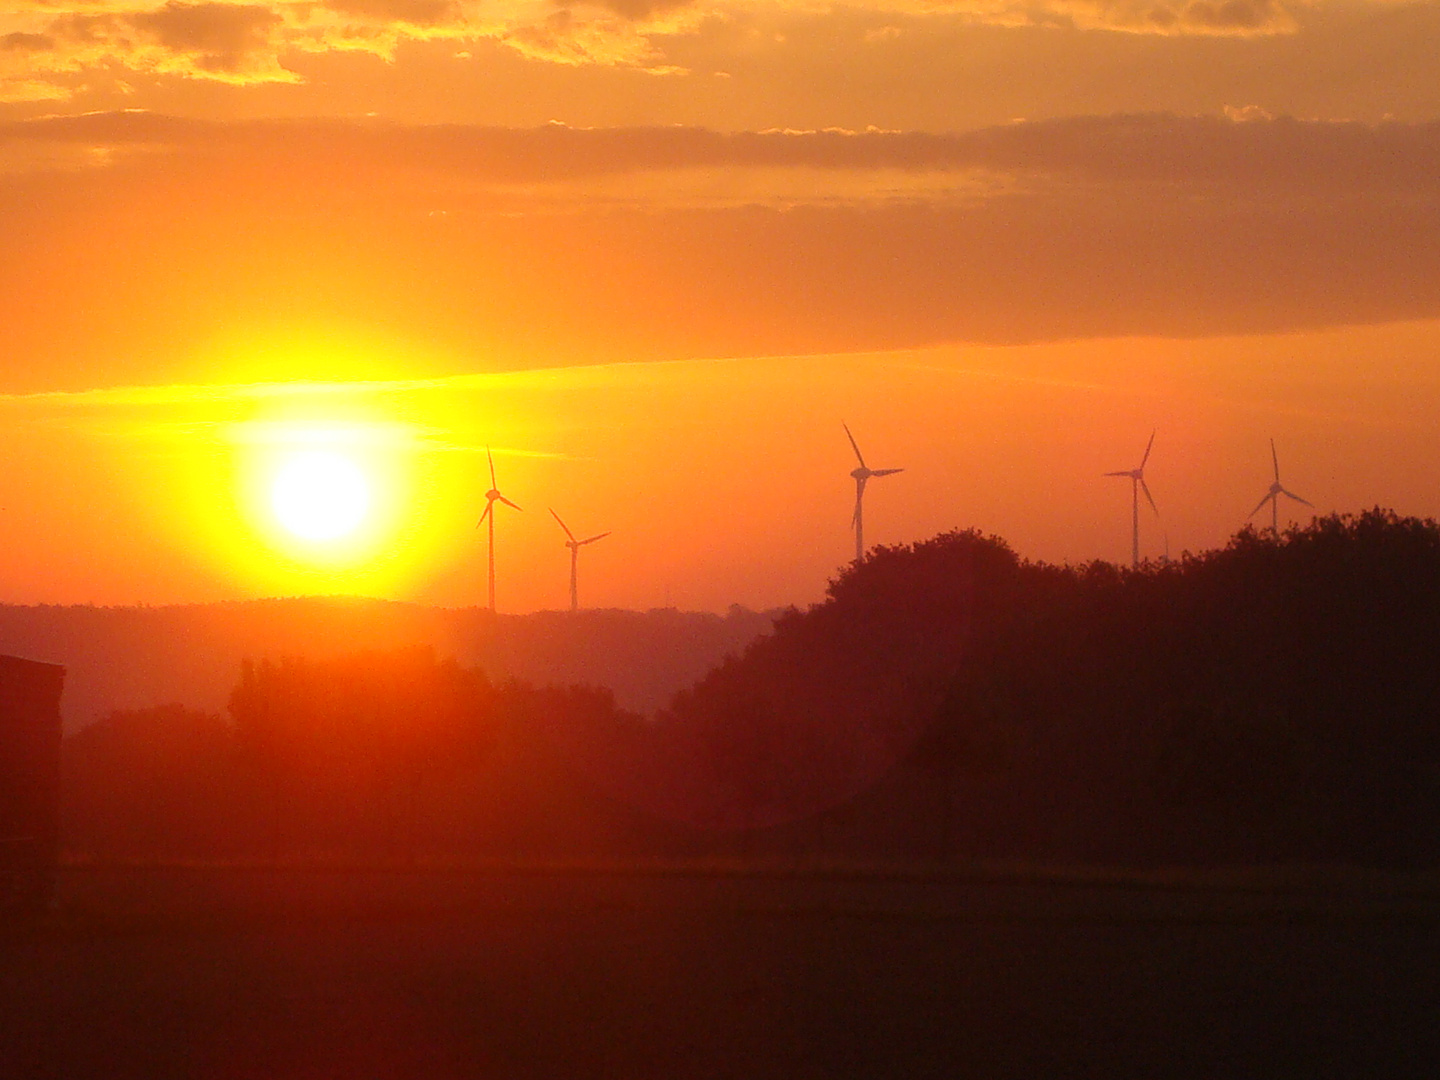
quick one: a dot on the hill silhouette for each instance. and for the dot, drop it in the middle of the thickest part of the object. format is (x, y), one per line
(131, 658)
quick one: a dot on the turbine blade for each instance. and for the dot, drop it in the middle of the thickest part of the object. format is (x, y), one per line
(1275, 460)
(885, 472)
(1128, 472)
(562, 524)
(1259, 506)
(592, 539)
(507, 502)
(859, 494)
(1148, 497)
(488, 506)
(491, 458)
(854, 446)
(1147, 450)
(1297, 498)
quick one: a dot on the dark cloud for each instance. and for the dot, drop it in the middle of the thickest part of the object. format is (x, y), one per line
(26, 43)
(88, 29)
(222, 36)
(411, 12)
(640, 9)
(1230, 15)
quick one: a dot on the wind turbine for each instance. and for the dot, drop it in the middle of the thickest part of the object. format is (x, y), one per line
(575, 546)
(1273, 496)
(491, 498)
(862, 476)
(1137, 485)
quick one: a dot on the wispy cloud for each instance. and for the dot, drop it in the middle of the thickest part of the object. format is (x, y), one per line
(194, 413)
(1059, 382)
(188, 394)
(1240, 149)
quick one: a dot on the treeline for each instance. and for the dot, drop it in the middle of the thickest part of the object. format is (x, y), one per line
(1278, 699)
(395, 756)
(130, 658)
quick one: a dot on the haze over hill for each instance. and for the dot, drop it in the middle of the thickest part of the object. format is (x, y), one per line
(134, 657)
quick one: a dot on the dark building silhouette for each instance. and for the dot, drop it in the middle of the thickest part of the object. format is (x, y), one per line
(29, 781)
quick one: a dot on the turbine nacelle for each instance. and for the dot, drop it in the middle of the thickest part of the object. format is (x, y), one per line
(1137, 473)
(491, 498)
(863, 474)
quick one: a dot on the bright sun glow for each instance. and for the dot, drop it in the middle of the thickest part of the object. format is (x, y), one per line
(320, 495)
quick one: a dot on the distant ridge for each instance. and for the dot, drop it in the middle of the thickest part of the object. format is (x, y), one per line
(134, 657)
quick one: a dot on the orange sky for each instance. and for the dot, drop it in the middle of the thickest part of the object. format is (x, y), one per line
(654, 254)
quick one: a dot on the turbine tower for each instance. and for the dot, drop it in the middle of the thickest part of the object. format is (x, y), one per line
(491, 498)
(1273, 496)
(1137, 485)
(575, 546)
(862, 476)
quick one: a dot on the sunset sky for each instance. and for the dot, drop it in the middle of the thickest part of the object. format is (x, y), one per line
(653, 254)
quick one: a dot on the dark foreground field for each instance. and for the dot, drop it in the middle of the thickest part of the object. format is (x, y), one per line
(317, 973)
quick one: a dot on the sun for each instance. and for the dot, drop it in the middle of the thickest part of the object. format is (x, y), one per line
(320, 495)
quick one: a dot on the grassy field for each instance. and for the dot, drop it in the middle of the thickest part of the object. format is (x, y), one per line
(709, 972)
